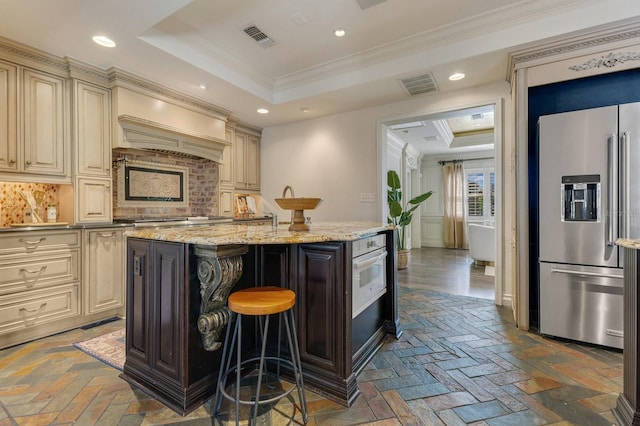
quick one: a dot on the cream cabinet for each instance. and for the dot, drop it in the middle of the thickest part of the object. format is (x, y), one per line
(94, 200)
(39, 284)
(34, 137)
(227, 178)
(46, 145)
(246, 154)
(103, 273)
(92, 129)
(226, 167)
(56, 280)
(8, 117)
(92, 159)
(226, 200)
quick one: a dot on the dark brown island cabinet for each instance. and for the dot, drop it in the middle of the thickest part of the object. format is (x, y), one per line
(165, 353)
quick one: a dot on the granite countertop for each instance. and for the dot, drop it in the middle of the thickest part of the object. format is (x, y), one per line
(253, 218)
(627, 243)
(226, 234)
(59, 226)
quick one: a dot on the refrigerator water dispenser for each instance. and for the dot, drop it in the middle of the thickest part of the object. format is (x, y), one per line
(581, 198)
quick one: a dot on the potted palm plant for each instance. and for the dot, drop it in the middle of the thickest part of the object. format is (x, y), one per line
(400, 215)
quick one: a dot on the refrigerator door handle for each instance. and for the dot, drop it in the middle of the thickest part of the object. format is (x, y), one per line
(585, 273)
(612, 196)
(625, 156)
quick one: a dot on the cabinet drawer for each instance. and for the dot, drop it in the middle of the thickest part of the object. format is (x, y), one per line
(32, 308)
(35, 241)
(32, 272)
(31, 242)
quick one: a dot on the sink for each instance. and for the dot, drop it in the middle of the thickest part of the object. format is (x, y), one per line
(298, 205)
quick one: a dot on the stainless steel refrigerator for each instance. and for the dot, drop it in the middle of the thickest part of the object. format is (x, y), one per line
(589, 195)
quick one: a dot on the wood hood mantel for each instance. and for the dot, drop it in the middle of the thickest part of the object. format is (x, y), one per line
(144, 134)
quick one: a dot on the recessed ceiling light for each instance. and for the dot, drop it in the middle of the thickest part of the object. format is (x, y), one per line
(339, 32)
(263, 111)
(202, 86)
(103, 41)
(304, 109)
(456, 76)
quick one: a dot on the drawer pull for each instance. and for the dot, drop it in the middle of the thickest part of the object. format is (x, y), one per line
(40, 269)
(33, 311)
(103, 235)
(32, 244)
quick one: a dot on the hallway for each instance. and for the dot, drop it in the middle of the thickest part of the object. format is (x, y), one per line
(449, 271)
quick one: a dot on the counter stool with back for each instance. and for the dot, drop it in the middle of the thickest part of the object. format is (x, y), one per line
(259, 302)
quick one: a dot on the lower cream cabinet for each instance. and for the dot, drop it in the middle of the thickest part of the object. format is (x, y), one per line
(103, 274)
(56, 280)
(39, 284)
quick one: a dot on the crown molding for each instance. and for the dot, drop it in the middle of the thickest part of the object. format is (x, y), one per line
(580, 45)
(609, 60)
(32, 57)
(72, 68)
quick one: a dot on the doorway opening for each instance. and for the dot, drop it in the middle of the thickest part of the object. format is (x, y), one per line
(418, 147)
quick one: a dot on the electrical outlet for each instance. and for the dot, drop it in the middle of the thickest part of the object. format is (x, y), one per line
(367, 197)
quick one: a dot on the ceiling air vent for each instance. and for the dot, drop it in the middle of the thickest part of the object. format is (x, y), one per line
(417, 85)
(257, 34)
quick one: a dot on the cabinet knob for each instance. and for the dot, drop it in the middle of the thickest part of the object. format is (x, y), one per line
(12, 162)
(28, 163)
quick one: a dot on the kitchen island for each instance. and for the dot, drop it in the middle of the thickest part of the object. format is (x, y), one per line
(627, 410)
(179, 279)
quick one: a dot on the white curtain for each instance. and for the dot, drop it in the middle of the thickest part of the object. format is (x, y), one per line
(455, 235)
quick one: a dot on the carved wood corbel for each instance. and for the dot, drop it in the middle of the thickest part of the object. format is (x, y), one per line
(219, 268)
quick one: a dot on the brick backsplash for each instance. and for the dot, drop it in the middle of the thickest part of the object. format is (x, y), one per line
(203, 186)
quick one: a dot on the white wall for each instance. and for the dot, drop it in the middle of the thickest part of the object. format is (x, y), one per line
(333, 158)
(337, 157)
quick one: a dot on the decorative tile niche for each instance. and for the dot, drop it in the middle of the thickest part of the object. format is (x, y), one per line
(202, 191)
(13, 206)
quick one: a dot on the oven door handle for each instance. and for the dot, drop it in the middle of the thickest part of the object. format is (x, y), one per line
(368, 262)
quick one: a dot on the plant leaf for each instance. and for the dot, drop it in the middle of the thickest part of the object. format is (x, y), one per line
(420, 198)
(395, 209)
(393, 180)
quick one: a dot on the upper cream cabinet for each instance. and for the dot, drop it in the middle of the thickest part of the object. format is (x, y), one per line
(226, 166)
(246, 155)
(8, 117)
(46, 145)
(34, 139)
(92, 129)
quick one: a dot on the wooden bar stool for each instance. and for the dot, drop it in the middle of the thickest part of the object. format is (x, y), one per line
(259, 302)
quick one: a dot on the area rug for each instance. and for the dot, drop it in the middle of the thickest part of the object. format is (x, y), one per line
(108, 348)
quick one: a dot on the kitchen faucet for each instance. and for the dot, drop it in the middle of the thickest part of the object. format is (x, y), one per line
(284, 195)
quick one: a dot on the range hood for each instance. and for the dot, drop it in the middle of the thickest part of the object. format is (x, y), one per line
(152, 136)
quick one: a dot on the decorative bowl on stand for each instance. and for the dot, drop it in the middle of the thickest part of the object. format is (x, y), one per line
(298, 205)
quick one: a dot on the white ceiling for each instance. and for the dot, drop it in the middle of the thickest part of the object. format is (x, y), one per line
(450, 132)
(185, 43)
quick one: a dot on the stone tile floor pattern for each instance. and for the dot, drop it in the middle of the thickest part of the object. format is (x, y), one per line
(460, 360)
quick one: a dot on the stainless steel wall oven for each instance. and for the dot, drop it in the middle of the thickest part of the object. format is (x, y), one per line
(369, 272)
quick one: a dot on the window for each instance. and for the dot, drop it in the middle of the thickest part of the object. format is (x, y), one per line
(480, 193)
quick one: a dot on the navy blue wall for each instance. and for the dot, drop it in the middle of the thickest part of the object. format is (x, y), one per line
(590, 92)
